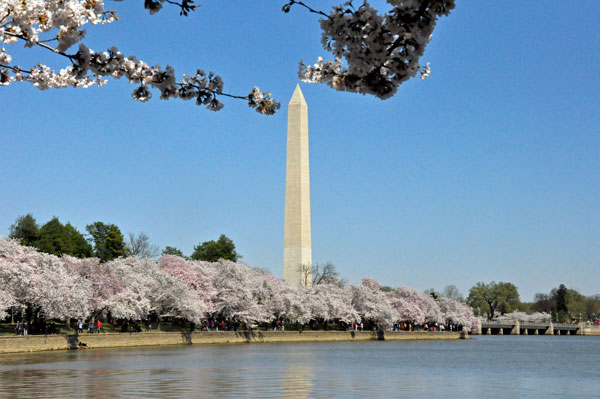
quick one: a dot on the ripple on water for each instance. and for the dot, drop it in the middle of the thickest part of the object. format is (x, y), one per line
(495, 367)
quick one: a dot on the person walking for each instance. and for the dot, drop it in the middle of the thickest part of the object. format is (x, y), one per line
(98, 325)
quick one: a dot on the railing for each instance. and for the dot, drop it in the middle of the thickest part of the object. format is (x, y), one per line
(528, 324)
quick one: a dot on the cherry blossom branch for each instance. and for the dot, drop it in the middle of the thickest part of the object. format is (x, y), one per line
(3, 18)
(41, 43)
(156, 5)
(286, 8)
(417, 17)
(89, 68)
(374, 53)
(15, 68)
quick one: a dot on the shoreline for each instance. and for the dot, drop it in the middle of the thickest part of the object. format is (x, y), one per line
(43, 343)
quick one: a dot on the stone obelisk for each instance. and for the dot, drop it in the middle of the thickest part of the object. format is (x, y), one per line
(297, 257)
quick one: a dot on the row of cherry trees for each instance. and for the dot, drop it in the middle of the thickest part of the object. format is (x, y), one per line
(135, 289)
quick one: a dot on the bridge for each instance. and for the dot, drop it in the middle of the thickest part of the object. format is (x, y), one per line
(490, 327)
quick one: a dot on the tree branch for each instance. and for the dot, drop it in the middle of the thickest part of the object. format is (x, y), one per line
(401, 39)
(3, 18)
(41, 44)
(286, 8)
(203, 92)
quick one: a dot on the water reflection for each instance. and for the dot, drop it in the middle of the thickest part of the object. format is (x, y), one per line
(498, 367)
(298, 374)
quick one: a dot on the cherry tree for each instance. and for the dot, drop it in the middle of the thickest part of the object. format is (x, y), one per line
(457, 312)
(295, 303)
(332, 302)
(133, 300)
(42, 281)
(59, 293)
(411, 305)
(434, 312)
(16, 269)
(372, 304)
(103, 283)
(148, 289)
(238, 293)
(196, 275)
(6, 301)
(373, 53)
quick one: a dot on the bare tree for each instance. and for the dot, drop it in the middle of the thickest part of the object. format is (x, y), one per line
(325, 273)
(450, 291)
(141, 247)
(306, 273)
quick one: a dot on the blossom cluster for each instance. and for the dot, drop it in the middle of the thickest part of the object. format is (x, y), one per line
(536, 317)
(39, 22)
(136, 289)
(380, 51)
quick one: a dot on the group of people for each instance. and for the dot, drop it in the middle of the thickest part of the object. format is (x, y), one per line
(215, 325)
(95, 326)
(21, 328)
(92, 327)
(36, 327)
(355, 326)
(427, 327)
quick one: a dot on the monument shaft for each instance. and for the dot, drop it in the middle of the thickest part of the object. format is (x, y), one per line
(297, 257)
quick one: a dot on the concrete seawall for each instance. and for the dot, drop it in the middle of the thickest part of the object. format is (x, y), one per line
(38, 343)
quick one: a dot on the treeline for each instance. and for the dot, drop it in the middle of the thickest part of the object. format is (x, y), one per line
(562, 304)
(36, 287)
(106, 242)
(566, 304)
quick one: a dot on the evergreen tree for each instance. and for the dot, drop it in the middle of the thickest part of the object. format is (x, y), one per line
(26, 230)
(172, 251)
(80, 247)
(52, 238)
(108, 241)
(212, 251)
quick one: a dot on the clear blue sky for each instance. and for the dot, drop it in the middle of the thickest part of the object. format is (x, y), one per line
(488, 170)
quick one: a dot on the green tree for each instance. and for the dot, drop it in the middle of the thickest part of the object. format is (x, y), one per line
(492, 297)
(561, 299)
(80, 247)
(58, 239)
(566, 303)
(212, 251)
(575, 303)
(26, 230)
(172, 251)
(108, 241)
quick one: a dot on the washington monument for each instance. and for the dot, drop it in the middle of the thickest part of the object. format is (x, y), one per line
(297, 257)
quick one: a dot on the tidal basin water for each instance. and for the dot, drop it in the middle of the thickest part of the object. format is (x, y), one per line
(482, 367)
